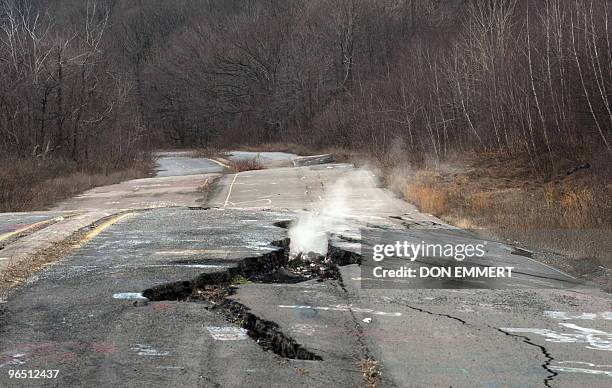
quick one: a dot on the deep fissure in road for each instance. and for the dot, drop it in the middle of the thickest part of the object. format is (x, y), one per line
(213, 289)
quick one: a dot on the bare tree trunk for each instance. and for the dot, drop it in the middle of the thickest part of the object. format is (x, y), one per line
(582, 82)
(596, 65)
(535, 94)
(462, 101)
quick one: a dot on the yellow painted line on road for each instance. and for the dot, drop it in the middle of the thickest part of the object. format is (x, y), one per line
(100, 228)
(229, 193)
(25, 229)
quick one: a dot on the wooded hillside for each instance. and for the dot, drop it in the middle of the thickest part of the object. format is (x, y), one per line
(96, 81)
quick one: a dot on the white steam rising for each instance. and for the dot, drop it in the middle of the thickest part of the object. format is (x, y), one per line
(341, 201)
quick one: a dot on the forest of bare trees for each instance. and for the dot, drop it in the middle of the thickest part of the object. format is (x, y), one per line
(97, 81)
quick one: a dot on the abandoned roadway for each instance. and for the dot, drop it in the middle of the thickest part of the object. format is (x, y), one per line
(122, 308)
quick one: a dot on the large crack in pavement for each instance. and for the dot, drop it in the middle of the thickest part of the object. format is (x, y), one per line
(266, 333)
(248, 268)
(87, 299)
(214, 289)
(547, 355)
(216, 292)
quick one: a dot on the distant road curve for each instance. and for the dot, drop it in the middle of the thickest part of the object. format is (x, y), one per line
(180, 163)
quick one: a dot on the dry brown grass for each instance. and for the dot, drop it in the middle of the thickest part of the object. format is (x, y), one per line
(430, 199)
(245, 165)
(32, 184)
(207, 152)
(370, 370)
(208, 185)
(569, 214)
(293, 148)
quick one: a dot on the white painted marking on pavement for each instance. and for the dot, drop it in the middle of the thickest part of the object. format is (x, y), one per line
(147, 350)
(305, 329)
(268, 201)
(596, 339)
(128, 295)
(229, 193)
(582, 370)
(15, 359)
(585, 363)
(590, 316)
(227, 333)
(343, 308)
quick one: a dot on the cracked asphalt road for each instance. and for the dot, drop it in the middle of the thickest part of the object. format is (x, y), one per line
(178, 179)
(73, 316)
(69, 318)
